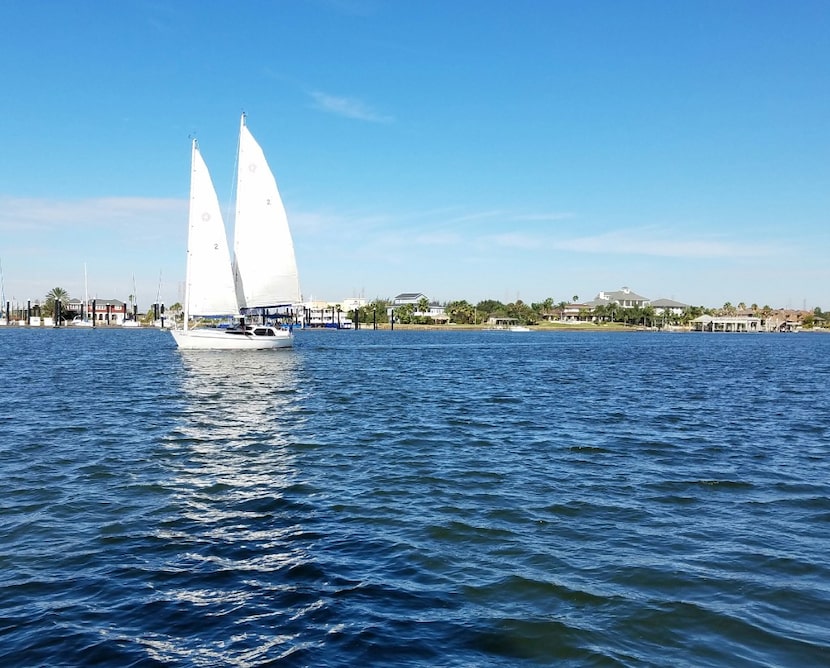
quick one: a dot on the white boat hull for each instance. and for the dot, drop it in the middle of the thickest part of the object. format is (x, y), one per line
(255, 338)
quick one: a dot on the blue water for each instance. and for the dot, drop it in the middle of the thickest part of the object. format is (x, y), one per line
(415, 499)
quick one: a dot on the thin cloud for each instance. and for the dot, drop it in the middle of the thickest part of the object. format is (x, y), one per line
(654, 242)
(439, 239)
(30, 214)
(544, 217)
(513, 240)
(347, 107)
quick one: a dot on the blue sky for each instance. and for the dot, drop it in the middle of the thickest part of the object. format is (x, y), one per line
(467, 149)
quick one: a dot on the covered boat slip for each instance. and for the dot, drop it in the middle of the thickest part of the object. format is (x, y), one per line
(708, 323)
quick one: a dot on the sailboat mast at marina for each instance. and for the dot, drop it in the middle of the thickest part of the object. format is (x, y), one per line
(133, 320)
(84, 320)
(263, 274)
(4, 311)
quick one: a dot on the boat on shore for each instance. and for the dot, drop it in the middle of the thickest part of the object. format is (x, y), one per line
(261, 284)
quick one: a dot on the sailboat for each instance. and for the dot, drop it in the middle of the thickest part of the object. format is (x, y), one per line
(262, 278)
(133, 321)
(83, 320)
(5, 319)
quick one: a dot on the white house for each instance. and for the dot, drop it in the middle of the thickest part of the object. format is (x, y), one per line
(623, 297)
(662, 306)
(435, 310)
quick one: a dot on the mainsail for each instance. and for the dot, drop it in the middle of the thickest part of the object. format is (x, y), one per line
(265, 268)
(210, 287)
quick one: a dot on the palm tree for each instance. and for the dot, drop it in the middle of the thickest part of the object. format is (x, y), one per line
(461, 312)
(648, 315)
(176, 311)
(54, 295)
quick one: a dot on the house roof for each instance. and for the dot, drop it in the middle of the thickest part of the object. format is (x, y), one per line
(667, 303)
(98, 302)
(409, 296)
(625, 294)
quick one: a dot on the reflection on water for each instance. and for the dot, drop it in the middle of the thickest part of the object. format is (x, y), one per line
(238, 413)
(232, 514)
(240, 398)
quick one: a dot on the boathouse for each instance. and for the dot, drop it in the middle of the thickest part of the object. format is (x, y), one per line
(737, 323)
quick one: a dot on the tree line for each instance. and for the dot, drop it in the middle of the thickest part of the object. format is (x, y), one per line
(462, 312)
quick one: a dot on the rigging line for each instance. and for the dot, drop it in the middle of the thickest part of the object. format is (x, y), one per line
(232, 197)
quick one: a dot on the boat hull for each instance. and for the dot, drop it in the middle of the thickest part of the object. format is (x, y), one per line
(222, 339)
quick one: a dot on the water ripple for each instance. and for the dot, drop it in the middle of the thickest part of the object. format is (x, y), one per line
(416, 499)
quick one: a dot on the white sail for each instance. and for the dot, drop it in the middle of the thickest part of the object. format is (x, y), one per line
(210, 287)
(265, 266)
(265, 253)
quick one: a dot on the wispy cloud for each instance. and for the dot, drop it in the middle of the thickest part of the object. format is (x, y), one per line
(348, 107)
(544, 217)
(45, 241)
(513, 240)
(29, 214)
(658, 242)
(439, 239)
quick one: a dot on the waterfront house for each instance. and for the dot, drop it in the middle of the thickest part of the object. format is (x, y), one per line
(668, 307)
(576, 312)
(106, 311)
(785, 320)
(435, 310)
(409, 298)
(624, 298)
(324, 314)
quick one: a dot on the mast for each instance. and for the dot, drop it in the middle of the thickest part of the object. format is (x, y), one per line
(193, 150)
(86, 295)
(135, 302)
(3, 294)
